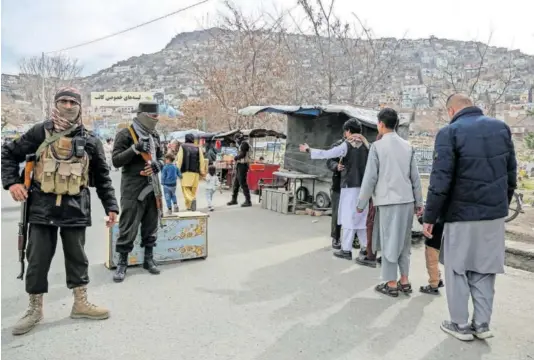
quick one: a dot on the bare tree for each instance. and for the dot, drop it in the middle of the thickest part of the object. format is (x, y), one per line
(252, 67)
(473, 77)
(352, 63)
(50, 72)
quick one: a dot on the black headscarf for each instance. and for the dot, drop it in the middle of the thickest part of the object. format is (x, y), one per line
(189, 138)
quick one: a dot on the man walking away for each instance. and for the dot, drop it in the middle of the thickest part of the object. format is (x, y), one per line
(243, 159)
(59, 199)
(354, 151)
(138, 187)
(211, 152)
(472, 183)
(190, 161)
(336, 167)
(369, 257)
(169, 178)
(392, 178)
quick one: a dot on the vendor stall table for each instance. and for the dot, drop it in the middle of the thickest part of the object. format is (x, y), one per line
(184, 235)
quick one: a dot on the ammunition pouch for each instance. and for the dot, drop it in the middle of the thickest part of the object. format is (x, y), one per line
(60, 172)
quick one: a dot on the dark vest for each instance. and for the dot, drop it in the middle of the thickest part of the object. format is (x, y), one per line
(354, 162)
(191, 161)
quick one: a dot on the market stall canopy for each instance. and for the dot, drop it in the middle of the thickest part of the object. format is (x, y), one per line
(180, 135)
(206, 136)
(226, 135)
(261, 133)
(367, 117)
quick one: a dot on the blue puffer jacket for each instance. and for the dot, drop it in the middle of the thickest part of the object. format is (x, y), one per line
(474, 171)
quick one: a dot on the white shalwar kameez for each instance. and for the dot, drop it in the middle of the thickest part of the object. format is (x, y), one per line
(352, 223)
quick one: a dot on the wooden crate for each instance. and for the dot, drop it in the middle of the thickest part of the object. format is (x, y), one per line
(184, 235)
(280, 201)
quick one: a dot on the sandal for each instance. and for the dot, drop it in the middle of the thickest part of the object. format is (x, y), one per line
(405, 288)
(386, 290)
(428, 289)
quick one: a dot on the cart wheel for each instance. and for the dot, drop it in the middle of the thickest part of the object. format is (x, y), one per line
(302, 194)
(322, 200)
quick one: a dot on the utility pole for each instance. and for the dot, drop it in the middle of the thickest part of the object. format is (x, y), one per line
(43, 101)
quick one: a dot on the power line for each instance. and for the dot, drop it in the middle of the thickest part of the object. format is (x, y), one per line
(129, 29)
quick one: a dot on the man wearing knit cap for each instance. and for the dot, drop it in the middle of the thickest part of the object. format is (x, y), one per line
(138, 186)
(69, 160)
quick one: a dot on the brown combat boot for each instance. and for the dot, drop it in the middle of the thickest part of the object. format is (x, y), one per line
(33, 315)
(83, 309)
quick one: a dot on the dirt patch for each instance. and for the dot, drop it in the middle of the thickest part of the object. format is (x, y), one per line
(519, 259)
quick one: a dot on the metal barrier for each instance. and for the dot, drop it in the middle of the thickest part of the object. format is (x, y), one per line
(424, 158)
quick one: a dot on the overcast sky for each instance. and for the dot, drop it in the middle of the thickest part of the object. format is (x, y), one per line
(32, 26)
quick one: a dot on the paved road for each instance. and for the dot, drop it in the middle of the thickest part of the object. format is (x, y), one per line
(270, 290)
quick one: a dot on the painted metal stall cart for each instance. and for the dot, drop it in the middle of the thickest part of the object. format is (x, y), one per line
(261, 172)
(183, 236)
(225, 159)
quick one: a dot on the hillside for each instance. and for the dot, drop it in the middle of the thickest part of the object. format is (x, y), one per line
(422, 63)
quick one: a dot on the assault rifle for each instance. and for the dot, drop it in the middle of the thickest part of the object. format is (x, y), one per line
(154, 179)
(23, 224)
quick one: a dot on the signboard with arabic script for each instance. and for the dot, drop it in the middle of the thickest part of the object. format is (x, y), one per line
(99, 99)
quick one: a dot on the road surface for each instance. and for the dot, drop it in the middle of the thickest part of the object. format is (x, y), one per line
(270, 290)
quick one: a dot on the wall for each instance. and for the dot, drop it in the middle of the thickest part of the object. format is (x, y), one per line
(319, 133)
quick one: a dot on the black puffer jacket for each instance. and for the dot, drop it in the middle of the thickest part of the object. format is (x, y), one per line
(74, 210)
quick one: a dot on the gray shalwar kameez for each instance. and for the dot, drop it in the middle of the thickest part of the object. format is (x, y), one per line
(392, 178)
(473, 253)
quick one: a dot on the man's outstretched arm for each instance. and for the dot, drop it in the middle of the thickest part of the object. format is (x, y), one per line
(335, 152)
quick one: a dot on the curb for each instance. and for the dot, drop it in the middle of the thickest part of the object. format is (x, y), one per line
(519, 259)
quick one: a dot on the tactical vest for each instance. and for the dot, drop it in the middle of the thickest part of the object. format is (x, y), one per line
(248, 157)
(59, 171)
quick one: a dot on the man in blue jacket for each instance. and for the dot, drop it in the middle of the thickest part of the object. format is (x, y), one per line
(471, 186)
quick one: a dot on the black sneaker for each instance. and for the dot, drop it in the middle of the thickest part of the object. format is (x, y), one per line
(246, 204)
(441, 284)
(231, 202)
(347, 255)
(365, 261)
(336, 244)
(481, 331)
(464, 333)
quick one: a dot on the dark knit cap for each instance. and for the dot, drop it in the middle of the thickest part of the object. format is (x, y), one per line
(68, 93)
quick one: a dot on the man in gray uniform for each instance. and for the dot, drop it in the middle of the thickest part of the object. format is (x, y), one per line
(138, 186)
(471, 186)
